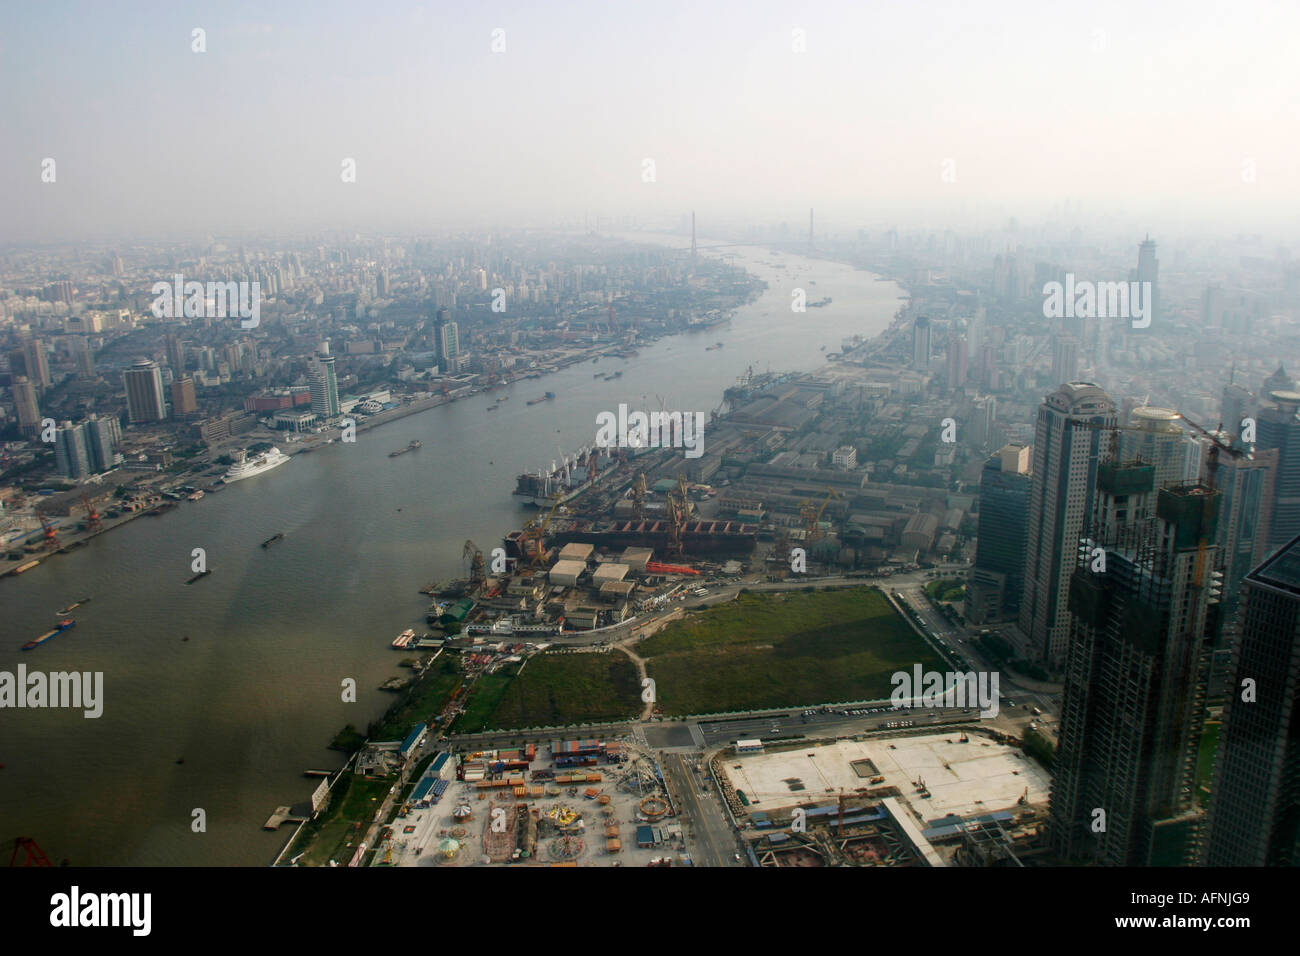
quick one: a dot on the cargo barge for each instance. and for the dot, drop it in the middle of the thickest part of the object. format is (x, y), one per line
(73, 606)
(412, 446)
(62, 626)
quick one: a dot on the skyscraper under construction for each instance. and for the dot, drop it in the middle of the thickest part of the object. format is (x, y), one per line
(1144, 600)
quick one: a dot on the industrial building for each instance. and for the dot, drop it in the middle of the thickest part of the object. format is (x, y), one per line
(565, 573)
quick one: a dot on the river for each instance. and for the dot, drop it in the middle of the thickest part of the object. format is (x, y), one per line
(253, 696)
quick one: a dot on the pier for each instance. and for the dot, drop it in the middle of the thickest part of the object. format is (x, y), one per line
(282, 815)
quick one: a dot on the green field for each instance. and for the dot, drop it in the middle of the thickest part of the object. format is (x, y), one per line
(784, 649)
(554, 690)
(421, 702)
(353, 799)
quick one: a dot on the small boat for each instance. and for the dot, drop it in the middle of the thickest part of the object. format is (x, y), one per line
(63, 626)
(411, 446)
(71, 607)
(201, 574)
(273, 539)
(492, 408)
(196, 496)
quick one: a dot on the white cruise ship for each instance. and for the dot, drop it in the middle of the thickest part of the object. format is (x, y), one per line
(245, 467)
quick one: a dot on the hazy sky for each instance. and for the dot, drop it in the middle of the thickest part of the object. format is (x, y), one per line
(1143, 111)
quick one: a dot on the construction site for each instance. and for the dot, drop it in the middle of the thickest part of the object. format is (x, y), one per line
(572, 802)
(963, 795)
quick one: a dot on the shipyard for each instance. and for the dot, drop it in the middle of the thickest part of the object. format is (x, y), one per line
(628, 542)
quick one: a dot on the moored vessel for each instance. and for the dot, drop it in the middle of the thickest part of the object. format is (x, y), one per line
(246, 467)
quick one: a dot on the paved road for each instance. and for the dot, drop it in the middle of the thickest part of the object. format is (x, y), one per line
(822, 724)
(957, 642)
(708, 832)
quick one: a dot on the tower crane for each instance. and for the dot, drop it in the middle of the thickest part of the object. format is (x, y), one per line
(679, 512)
(1217, 445)
(535, 534)
(812, 515)
(474, 556)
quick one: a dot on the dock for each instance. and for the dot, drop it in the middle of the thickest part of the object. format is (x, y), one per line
(282, 815)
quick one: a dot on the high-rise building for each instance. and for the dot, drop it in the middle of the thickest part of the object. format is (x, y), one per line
(144, 392)
(921, 343)
(103, 435)
(25, 406)
(983, 421)
(1133, 702)
(1066, 454)
(446, 342)
(997, 578)
(72, 451)
(1279, 381)
(36, 362)
(324, 384)
(987, 371)
(956, 361)
(1279, 428)
(176, 355)
(1148, 270)
(1255, 802)
(1238, 404)
(1065, 358)
(1160, 442)
(1246, 484)
(184, 401)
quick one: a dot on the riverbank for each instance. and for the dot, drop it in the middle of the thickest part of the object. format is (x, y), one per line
(240, 674)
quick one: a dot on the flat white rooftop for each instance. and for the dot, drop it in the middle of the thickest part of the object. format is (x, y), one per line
(963, 778)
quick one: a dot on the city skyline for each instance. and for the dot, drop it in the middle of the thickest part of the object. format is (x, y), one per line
(959, 140)
(735, 436)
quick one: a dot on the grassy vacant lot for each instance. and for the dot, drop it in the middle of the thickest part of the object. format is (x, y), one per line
(555, 689)
(420, 703)
(783, 649)
(352, 799)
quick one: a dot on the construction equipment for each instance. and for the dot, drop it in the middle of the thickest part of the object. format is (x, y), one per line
(51, 536)
(639, 495)
(534, 536)
(474, 556)
(1217, 444)
(812, 515)
(679, 512)
(33, 854)
(92, 516)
